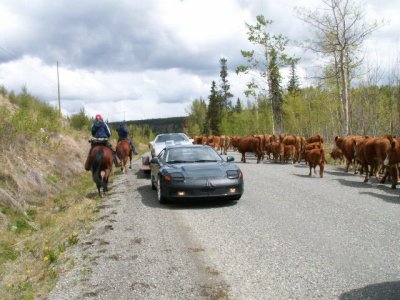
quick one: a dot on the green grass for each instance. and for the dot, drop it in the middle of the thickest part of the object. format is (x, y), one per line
(30, 259)
(7, 253)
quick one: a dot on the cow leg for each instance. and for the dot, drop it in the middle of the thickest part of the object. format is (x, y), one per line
(310, 170)
(394, 174)
(377, 169)
(366, 174)
(321, 170)
(348, 162)
(386, 174)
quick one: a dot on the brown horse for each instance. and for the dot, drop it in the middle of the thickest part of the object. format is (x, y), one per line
(101, 158)
(124, 151)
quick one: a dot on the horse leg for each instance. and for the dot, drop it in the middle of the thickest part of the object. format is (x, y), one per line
(105, 180)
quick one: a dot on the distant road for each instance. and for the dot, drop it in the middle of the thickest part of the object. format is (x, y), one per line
(289, 237)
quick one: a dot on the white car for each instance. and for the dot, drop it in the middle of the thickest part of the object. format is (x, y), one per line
(160, 142)
(165, 139)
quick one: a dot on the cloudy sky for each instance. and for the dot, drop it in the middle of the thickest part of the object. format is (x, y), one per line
(149, 59)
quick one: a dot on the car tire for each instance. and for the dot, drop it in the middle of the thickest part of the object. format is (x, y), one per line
(153, 186)
(160, 197)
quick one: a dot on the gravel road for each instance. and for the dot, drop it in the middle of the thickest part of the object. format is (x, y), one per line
(289, 237)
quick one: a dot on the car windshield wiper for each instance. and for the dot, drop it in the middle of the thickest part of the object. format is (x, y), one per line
(177, 161)
(206, 160)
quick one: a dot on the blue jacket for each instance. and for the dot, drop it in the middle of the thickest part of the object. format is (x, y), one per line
(100, 130)
(123, 131)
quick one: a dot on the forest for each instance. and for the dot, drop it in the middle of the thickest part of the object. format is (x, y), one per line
(349, 96)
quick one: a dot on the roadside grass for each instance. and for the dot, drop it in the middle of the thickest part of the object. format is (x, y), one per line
(33, 244)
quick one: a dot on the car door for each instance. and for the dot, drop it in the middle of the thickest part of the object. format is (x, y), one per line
(155, 167)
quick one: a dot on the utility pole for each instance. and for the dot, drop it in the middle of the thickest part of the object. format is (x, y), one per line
(58, 83)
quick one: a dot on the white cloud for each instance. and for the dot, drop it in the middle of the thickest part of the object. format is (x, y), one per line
(148, 59)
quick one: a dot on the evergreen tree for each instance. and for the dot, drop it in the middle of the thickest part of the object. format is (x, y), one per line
(293, 86)
(225, 86)
(214, 110)
(238, 107)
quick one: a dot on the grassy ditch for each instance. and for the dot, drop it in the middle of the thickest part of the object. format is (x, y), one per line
(33, 244)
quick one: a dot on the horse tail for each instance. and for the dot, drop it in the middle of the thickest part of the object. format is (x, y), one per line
(96, 168)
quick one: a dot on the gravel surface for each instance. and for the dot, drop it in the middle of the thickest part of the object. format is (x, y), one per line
(289, 237)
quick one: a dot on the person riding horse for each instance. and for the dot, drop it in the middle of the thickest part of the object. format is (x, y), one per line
(100, 130)
(123, 134)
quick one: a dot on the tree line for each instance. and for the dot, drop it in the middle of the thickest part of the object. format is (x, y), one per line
(348, 96)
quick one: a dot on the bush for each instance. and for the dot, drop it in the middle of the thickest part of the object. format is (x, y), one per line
(81, 120)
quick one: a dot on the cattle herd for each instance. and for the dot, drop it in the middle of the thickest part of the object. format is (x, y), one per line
(369, 155)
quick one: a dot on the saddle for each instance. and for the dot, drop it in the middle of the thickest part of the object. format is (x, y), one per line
(98, 141)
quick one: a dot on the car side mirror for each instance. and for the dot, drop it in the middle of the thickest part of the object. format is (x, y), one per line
(155, 160)
(230, 158)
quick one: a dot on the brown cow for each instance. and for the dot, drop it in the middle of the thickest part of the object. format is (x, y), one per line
(235, 141)
(308, 147)
(277, 150)
(250, 144)
(359, 155)
(375, 152)
(314, 139)
(345, 144)
(392, 162)
(336, 154)
(289, 153)
(316, 157)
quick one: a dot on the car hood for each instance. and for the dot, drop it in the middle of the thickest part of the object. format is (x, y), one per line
(200, 170)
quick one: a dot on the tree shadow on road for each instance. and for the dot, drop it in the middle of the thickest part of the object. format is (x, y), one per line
(379, 291)
(149, 198)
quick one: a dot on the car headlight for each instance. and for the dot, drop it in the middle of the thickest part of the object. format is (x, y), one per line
(234, 174)
(177, 177)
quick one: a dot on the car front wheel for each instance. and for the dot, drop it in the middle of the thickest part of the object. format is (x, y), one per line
(160, 197)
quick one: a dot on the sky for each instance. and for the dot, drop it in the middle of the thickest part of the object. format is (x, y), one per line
(133, 60)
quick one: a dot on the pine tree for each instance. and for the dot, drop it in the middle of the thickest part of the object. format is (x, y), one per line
(238, 107)
(293, 86)
(225, 86)
(214, 110)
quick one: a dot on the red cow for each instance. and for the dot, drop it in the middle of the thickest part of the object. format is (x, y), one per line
(250, 144)
(375, 152)
(314, 139)
(316, 157)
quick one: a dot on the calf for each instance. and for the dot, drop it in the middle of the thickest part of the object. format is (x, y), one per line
(336, 154)
(316, 157)
(289, 153)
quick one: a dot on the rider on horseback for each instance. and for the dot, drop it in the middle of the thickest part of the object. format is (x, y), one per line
(100, 130)
(123, 134)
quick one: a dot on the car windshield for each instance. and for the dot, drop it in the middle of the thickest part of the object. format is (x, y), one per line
(192, 155)
(170, 137)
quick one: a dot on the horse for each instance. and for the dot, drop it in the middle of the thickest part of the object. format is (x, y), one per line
(101, 158)
(124, 151)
